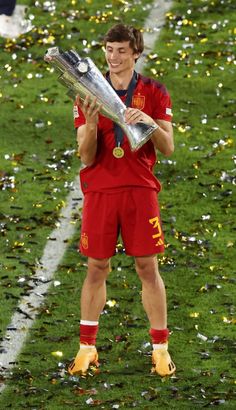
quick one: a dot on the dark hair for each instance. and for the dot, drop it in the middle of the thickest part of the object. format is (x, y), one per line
(121, 32)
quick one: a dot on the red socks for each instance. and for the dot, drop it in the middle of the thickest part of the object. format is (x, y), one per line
(88, 332)
(159, 336)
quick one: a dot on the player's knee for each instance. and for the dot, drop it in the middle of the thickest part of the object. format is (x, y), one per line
(148, 277)
(148, 273)
(98, 269)
(146, 266)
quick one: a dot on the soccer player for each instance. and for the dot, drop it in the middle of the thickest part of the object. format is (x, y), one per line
(120, 195)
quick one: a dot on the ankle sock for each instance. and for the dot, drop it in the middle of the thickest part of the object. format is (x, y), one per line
(88, 332)
(159, 336)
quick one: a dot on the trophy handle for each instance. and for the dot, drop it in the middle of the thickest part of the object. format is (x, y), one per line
(80, 64)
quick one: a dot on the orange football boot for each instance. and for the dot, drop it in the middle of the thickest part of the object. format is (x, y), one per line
(85, 357)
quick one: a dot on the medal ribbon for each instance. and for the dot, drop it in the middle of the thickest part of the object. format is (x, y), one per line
(119, 135)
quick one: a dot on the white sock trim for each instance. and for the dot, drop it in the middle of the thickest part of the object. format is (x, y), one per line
(82, 346)
(160, 346)
(88, 323)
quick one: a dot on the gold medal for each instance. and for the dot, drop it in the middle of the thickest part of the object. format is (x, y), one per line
(118, 152)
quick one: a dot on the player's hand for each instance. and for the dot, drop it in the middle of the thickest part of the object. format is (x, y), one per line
(133, 115)
(90, 108)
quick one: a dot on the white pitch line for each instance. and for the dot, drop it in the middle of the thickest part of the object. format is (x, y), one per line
(152, 28)
(27, 310)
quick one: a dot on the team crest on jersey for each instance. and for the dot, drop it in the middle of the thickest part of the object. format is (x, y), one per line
(138, 101)
(84, 241)
(75, 112)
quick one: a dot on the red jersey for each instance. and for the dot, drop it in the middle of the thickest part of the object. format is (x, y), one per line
(108, 173)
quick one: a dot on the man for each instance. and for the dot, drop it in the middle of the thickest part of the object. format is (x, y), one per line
(120, 196)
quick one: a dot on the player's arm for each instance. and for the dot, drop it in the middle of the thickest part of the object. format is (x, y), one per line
(162, 137)
(87, 133)
(87, 143)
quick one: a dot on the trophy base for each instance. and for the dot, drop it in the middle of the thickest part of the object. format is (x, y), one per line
(139, 134)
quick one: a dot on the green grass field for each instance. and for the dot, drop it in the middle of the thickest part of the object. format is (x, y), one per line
(195, 58)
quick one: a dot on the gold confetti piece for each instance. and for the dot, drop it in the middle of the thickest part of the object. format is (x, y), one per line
(18, 244)
(61, 204)
(50, 40)
(226, 320)
(230, 244)
(230, 142)
(57, 354)
(186, 22)
(153, 71)
(194, 314)
(181, 129)
(111, 303)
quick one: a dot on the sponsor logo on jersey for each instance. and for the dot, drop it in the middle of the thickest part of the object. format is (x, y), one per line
(138, 101)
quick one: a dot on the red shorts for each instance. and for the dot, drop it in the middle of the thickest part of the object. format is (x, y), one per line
(133, 213)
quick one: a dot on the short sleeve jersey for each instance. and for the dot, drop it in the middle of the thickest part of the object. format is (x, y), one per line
(108, 173)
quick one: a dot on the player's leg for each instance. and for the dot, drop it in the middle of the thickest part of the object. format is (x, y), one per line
(93, 294)
(154, 303)
(93, 299)
(153, 291)
(98, 241)
(142, 235)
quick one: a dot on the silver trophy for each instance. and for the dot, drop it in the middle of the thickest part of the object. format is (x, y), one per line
(82, 77)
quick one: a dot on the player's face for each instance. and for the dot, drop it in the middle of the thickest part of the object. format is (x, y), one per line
(120, 57)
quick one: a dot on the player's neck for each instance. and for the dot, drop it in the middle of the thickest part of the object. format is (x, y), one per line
(121, 81)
